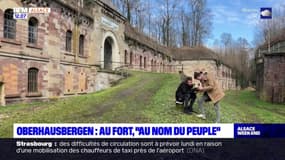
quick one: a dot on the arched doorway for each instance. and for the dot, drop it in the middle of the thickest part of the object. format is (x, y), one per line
(108, 53)
(110, 57)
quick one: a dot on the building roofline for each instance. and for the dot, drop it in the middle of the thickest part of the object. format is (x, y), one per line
(111, 9)
(275, 54)
(83, 12)
(274, 40)
(141, 38)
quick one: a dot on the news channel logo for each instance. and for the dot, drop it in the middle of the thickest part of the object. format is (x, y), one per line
(266, 13)
(22, 13)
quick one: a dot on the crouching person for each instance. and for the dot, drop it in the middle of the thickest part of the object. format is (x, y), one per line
(212, 92)
(186, 95)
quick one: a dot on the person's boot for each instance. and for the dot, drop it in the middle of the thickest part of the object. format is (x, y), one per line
(188, 110)
(186, 107)
(190, 107)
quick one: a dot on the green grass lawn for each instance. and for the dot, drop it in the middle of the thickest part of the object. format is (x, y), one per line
(142, 98)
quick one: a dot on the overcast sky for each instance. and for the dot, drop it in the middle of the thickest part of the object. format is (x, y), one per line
(238, 17)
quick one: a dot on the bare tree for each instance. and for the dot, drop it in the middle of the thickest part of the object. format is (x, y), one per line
(200, 20)
(167, 13)
(227, 41)
(128, 8)
(185, 27)
(268, 29)
(190, 27)
(236, 53)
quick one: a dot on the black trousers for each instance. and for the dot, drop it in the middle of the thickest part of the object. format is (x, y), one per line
(189, 100)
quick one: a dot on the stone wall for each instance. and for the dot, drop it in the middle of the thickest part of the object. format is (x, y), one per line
(60, 73)
(147, 60)
(106, 80)
(222, 72)
(271, 78)
(15, 76)
(54, 80)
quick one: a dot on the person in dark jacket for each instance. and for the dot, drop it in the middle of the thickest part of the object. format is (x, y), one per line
(186, 95)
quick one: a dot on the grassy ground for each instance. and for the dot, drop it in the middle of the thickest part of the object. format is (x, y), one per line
(142, 98)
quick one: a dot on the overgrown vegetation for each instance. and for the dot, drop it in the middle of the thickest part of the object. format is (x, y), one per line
(142, 98)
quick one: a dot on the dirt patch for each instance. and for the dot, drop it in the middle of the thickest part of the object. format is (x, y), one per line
(136, 94)
(106, 106)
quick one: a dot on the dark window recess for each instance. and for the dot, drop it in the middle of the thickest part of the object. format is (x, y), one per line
(131, 58)
(126, 56)
(144, 62)
(68, 40)
(33, 30)
(81, 45)
(9, 24)
(140, 61)
(275, 76)
(33, 80)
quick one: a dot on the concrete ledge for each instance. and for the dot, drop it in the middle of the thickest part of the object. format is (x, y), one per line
(106, 80)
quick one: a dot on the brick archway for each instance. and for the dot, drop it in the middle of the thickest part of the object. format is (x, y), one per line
(110, 58)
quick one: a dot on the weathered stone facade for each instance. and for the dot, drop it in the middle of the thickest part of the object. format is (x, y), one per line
(59, 73)
(202, 59)
(64, 69)
(270, 71)
(146, 54)
(59, 54)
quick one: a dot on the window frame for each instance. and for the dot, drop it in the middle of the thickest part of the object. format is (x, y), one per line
(81, 45)
(33, 30)
(9, 26)
(68, 41)
(33, 74)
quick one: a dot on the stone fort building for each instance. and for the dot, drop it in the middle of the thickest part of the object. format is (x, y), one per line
(270, 70)
(64, 52)
(204, 59)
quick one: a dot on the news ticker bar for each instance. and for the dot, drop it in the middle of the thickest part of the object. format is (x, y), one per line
(126, 130)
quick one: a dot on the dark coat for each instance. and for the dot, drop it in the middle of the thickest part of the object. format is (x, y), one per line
(183, 90)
